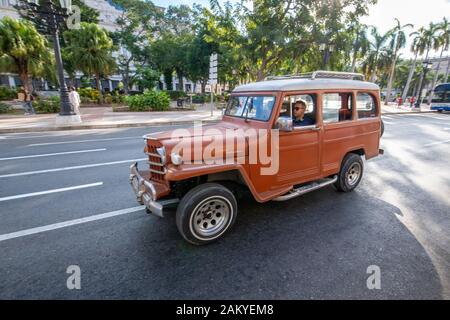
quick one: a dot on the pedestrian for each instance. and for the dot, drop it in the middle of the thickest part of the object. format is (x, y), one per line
(75, 100)
(400, 101)
(27, 100)
(412, 100)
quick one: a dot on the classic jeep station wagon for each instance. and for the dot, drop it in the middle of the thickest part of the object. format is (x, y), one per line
(316, 127)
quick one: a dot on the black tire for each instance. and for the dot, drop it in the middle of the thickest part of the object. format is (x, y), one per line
(351, 173)
(382, 128)
(440, 111)
(205, 213)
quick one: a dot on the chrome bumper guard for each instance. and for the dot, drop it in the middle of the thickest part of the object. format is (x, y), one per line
(146, 193)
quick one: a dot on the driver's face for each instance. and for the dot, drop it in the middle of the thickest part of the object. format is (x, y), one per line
(299, 110)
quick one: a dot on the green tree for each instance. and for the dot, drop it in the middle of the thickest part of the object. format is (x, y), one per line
(414, 49)
(137, 26)
(398, 41)
(88, 14)
(24, 51)
(90, 50)
(373, 62)
(442, 42)
(426, 41)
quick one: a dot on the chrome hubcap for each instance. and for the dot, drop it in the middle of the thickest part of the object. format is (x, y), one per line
(353, 174)
(210, 217)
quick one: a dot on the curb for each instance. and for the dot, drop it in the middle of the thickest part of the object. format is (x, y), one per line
(104, 126)
(408, 112)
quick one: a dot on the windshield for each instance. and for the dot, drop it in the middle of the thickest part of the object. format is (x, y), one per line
(251, 107)
(442, 94)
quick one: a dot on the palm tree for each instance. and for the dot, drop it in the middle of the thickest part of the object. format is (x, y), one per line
(377, 47)
(398, 40)
(90, 50)
(427, 38)
(415, 50)
(361, 44)
(23, 51)
(443, 42)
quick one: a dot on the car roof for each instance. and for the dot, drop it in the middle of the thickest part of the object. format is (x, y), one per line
(306, 84)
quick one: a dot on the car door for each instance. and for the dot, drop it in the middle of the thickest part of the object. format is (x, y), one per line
(299, 150)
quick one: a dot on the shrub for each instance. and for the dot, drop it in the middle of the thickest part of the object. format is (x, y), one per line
(150, 100)
(50, 105)
(204, 98)
(174, 95)
(4, 108)
(7, 94)
(89, 93)
(107, 98)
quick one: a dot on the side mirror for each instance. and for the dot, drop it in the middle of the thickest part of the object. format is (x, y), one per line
(284, 124)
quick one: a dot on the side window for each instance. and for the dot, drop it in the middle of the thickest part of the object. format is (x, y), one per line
(301, 108)
(337, 107)
(366, 106)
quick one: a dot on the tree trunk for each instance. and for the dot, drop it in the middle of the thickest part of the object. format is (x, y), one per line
(180, 80)
(24, 77)
(392, 73)
(422, 76)
(97, 82)
(410, 75)
(203, 83)
(430, 96)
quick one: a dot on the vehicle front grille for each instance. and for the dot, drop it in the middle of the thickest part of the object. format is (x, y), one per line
(157, 168)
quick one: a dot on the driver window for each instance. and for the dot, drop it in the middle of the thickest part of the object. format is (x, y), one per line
(301, 108)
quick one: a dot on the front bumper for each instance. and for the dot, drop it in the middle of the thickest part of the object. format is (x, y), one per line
(147, 192)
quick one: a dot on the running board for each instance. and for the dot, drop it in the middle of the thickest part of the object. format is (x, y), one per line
(306, 189)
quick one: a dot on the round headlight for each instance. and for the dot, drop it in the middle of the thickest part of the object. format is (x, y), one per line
(176, 159)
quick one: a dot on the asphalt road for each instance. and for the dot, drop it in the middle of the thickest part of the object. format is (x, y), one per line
(318, 246)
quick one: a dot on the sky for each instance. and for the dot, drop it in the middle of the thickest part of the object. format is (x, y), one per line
(418, 12)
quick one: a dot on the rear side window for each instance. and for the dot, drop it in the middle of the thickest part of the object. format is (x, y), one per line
(337, 107)
(366, 106)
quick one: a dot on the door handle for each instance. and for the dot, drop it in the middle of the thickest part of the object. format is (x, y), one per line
(316, 129)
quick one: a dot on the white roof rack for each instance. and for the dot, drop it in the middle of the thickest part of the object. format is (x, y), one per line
(321, 75)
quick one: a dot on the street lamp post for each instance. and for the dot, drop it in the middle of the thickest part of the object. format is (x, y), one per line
(49, 17)
(423, 77)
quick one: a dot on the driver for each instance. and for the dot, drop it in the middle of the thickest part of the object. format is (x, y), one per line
(300, 119)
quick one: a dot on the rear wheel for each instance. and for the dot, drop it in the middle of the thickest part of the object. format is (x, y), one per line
(351, 173)
(205, 213)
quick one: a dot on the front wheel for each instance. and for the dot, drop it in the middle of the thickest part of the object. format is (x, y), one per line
(351, 173)
(205, 213)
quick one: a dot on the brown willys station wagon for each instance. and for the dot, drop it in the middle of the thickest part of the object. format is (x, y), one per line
(318, 128)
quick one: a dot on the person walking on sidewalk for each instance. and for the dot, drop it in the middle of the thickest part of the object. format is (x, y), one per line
(411, 101)
(75, 100)
(26, 99)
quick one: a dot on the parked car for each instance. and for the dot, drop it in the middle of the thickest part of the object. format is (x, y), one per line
(344, 126)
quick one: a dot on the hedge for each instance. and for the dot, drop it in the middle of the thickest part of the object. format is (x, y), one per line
(150, 100)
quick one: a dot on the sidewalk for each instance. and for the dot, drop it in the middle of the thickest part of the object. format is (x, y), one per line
(104, 117)
(393, 108)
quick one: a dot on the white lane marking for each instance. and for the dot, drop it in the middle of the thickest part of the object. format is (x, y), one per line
(52, 154)
(70, 168)
(81, 141)
(436, 143)
(68, 223)
(27, 195)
